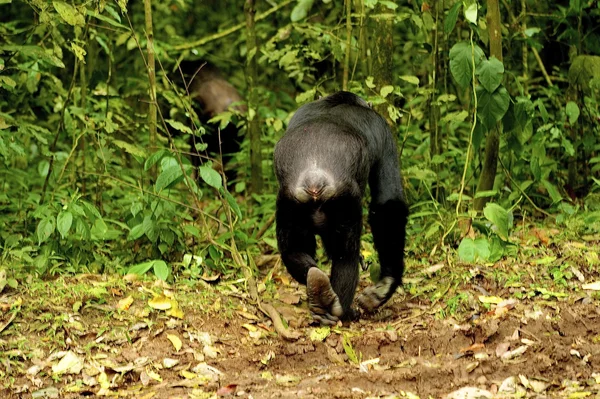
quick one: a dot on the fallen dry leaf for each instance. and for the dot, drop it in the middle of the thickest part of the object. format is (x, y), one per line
(177, 344)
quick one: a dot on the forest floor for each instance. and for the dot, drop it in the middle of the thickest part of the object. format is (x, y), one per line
(524, 327)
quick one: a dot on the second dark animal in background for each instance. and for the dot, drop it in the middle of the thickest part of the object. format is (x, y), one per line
(331, 148)
(212, 94)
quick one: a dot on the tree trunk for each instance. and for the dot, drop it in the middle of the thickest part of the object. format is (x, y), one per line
(253, 117)
(492, 141)
(435, 137)
(151, 77)
(383, 49)
(348, 44)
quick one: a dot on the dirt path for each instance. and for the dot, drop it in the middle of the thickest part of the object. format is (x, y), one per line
(76, 338)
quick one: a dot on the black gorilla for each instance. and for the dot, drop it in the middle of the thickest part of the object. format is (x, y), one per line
(331, 148)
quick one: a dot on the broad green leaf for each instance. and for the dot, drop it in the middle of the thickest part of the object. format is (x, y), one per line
(232, 203)
(462, 57)
(106, 19)
(136, 232)
(319, 334)
(161, 270)
(90, 210)
(519, 115)
(100, 229)
(552, 191)
(168, 176)
(210, 176)
(150, 229)
(301, 10)
(451, 18)
(472, 251)
(410, 79)
(490, 73)
(130, 148)
(154, 158)
(388, 4)
(69, 13)
(179, 126)
(64, 220)
(35, 53)
(45, 228)
(43, 168)
(568, 147)
(141, 268)
(478, 135)
(529, 32)
(386, 90)
(492, 106)
(471, 13)
(499, 217)
(572, 111)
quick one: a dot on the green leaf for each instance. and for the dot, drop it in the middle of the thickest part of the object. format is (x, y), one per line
(130, 148)
(232, 203)
(110, 21)
(572, 111)
(471, 13)
(386, 90)
(461, 62)
(568, 147)
(69, 13)
(100, 229)
(349, 349)
(168, 176)
(319, 334)
(472, 251)
(410, 79)
(536, 170)
(179, 126)
(543, 111)
(150, 228)
(492, 106)
(64, 220)
(43, 168)
(154, 158)
(44, 230)
(210, 176)
(141, 268)
(136, 232)
(552, 191)
(451, 18)
(35, 53)
(161, 270)
(301, 10)
(486, 194)
(490, 73)
(499, 217)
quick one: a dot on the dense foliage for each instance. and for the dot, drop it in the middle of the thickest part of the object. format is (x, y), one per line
(85, 187)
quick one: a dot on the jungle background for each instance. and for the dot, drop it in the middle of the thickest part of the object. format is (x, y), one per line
(125, 268)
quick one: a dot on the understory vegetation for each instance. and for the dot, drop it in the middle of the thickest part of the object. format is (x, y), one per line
(497, 128)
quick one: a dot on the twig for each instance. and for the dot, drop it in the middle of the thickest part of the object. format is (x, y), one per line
(270, 311)
(226, 32)
(522, 192)
(265, 227)
(513, 19)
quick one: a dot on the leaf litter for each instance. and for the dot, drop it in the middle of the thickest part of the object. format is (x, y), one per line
(512, 329)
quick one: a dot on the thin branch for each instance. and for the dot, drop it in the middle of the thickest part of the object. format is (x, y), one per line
(226, 32)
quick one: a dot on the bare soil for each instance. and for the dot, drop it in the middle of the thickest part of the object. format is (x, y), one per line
(536, 346)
